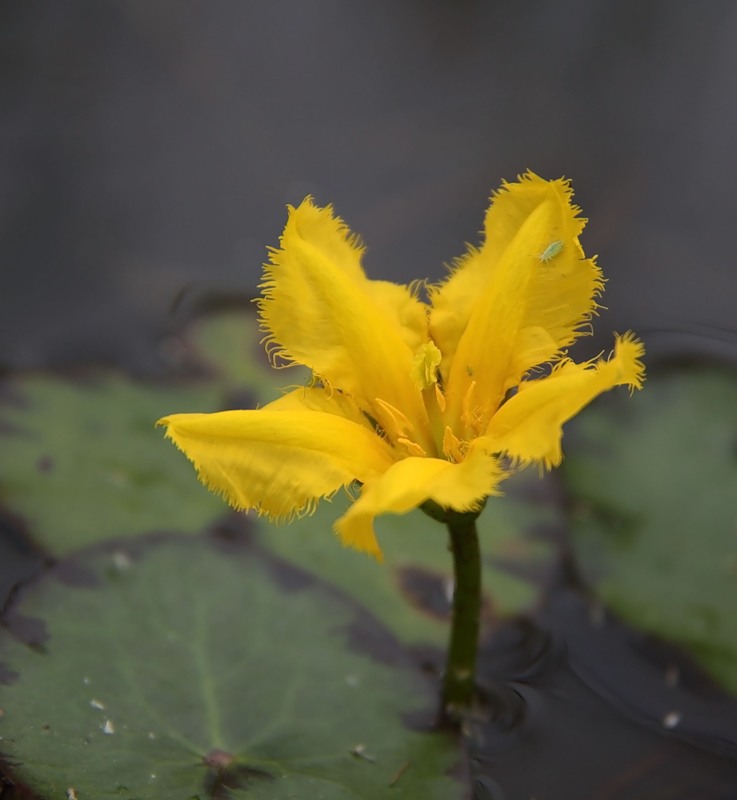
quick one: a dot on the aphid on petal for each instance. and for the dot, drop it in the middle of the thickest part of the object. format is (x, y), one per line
(551, 251)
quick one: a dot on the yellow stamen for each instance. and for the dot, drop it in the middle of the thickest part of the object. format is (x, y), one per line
(412, 448)
(452, 446)
(440, 398)
(467, 410)
(400, 425)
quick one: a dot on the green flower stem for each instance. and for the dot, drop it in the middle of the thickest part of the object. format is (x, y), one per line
(460, 668)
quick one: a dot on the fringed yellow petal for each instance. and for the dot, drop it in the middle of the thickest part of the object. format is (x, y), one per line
(453, 299)
(279, 463)
(320, 310)
(528, 427)
(487, 348)
(520, 299)
(514, 202)
(412, 481)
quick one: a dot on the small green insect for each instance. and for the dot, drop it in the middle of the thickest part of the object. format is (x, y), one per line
(551, 251)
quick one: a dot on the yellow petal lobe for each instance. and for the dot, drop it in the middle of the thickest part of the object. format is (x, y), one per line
(528, 427)
(519, 300)
(320, 310)
(409, 483)
(278, 463)
(453, 299)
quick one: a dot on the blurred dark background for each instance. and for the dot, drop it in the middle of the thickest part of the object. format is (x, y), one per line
(147, 151)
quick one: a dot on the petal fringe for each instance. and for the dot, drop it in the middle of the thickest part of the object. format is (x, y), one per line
(279, 463)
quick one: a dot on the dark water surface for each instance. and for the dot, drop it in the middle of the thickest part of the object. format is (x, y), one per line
(590, 716)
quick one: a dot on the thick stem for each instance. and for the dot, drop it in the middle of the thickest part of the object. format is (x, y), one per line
(460, 669)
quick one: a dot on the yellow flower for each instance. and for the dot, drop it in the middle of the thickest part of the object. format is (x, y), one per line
(415, 401)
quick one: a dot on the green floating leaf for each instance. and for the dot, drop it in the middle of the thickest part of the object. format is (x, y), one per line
(654, 481)
(197, 668)
(82, 461)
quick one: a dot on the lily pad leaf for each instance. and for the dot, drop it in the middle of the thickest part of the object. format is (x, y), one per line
(196, 667)
(653, 481)
(82, 461)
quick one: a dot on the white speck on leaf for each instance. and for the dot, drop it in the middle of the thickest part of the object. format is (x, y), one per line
(359, 751)
(108, 727)
(97, 704)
